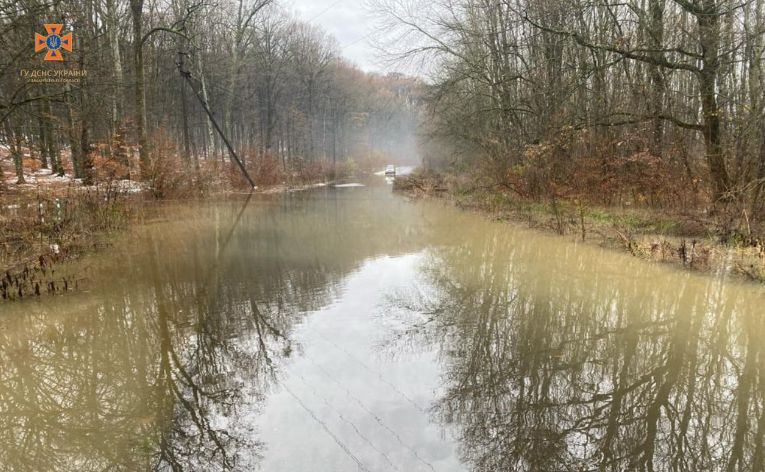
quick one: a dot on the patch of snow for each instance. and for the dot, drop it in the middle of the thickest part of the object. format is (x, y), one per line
(59, 178)
(130, 186)
(355, 184)
(119, 186)
(30, 179)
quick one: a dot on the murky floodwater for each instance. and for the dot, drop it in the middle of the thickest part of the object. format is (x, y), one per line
(346, 329)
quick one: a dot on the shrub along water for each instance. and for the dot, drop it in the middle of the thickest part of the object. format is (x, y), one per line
(38, 233)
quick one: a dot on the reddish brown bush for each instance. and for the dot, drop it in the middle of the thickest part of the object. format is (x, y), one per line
(165, 173)
(106, 169)
(31, 165)
(612, 173)
(268, 170)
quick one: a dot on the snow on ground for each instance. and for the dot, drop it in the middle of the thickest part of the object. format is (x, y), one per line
(38, 178)
(122, 186)
(45, 178)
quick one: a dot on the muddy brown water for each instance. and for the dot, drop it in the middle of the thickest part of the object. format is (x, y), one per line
(350, 330)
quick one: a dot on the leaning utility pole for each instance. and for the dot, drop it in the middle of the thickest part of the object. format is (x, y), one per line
(187, 75)
(184, 112)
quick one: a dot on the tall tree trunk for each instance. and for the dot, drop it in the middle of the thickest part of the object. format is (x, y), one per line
(310, 120)
(73, 123)
(756, 98)
(186, 139)
(757, 202)
(53, 149)
(42, 134)
(87, 162)
(709, 38)
(233, 72)
(184, 109)
(658, 86)
(114, 44)
(211, 143)
(136, 9)
(13, 130)
(270, 122)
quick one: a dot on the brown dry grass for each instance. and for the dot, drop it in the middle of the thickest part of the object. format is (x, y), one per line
(39, 233)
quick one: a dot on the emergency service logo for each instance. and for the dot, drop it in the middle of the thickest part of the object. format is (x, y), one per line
(54, 42)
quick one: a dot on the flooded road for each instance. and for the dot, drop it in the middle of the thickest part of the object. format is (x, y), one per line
(345, 329)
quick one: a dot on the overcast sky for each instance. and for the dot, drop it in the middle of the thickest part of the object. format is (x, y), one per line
(348, 21)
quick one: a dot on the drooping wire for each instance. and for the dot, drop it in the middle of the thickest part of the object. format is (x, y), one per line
(349, 422)
(333, 5)
(374, 372)
(374, 416)
(326, 429)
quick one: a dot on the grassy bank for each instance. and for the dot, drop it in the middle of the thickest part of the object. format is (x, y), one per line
(694, 240)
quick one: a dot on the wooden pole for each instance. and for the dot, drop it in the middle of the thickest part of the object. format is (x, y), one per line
(187, 75)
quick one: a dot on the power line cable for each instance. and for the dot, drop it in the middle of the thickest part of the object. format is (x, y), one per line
(334, 4)
(374, 416)
(324, 426)
(349, 422)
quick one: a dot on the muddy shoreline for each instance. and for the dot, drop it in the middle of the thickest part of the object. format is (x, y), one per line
(677, 240)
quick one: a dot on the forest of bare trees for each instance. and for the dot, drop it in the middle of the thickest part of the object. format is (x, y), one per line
(651, 101)
(657, 100)
(277, 87)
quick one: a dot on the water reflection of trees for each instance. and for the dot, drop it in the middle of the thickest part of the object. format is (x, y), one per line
(153, 380)
(574, 359)
(164, 366)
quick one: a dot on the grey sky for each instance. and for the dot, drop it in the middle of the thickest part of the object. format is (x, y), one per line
(348, 21)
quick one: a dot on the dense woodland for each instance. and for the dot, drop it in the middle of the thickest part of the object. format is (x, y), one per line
(278, 89)
(643, 102)
(647, 101)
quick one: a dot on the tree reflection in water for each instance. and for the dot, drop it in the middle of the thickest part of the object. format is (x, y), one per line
(555, 357)
(562, 358)
(166, 363)
(150, 376)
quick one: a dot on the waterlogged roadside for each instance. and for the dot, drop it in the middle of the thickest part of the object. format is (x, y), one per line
(347, 329)
(686, 242)
(166, 361)
(45, 235)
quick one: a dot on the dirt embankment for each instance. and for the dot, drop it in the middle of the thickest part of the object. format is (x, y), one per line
(692, 240)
